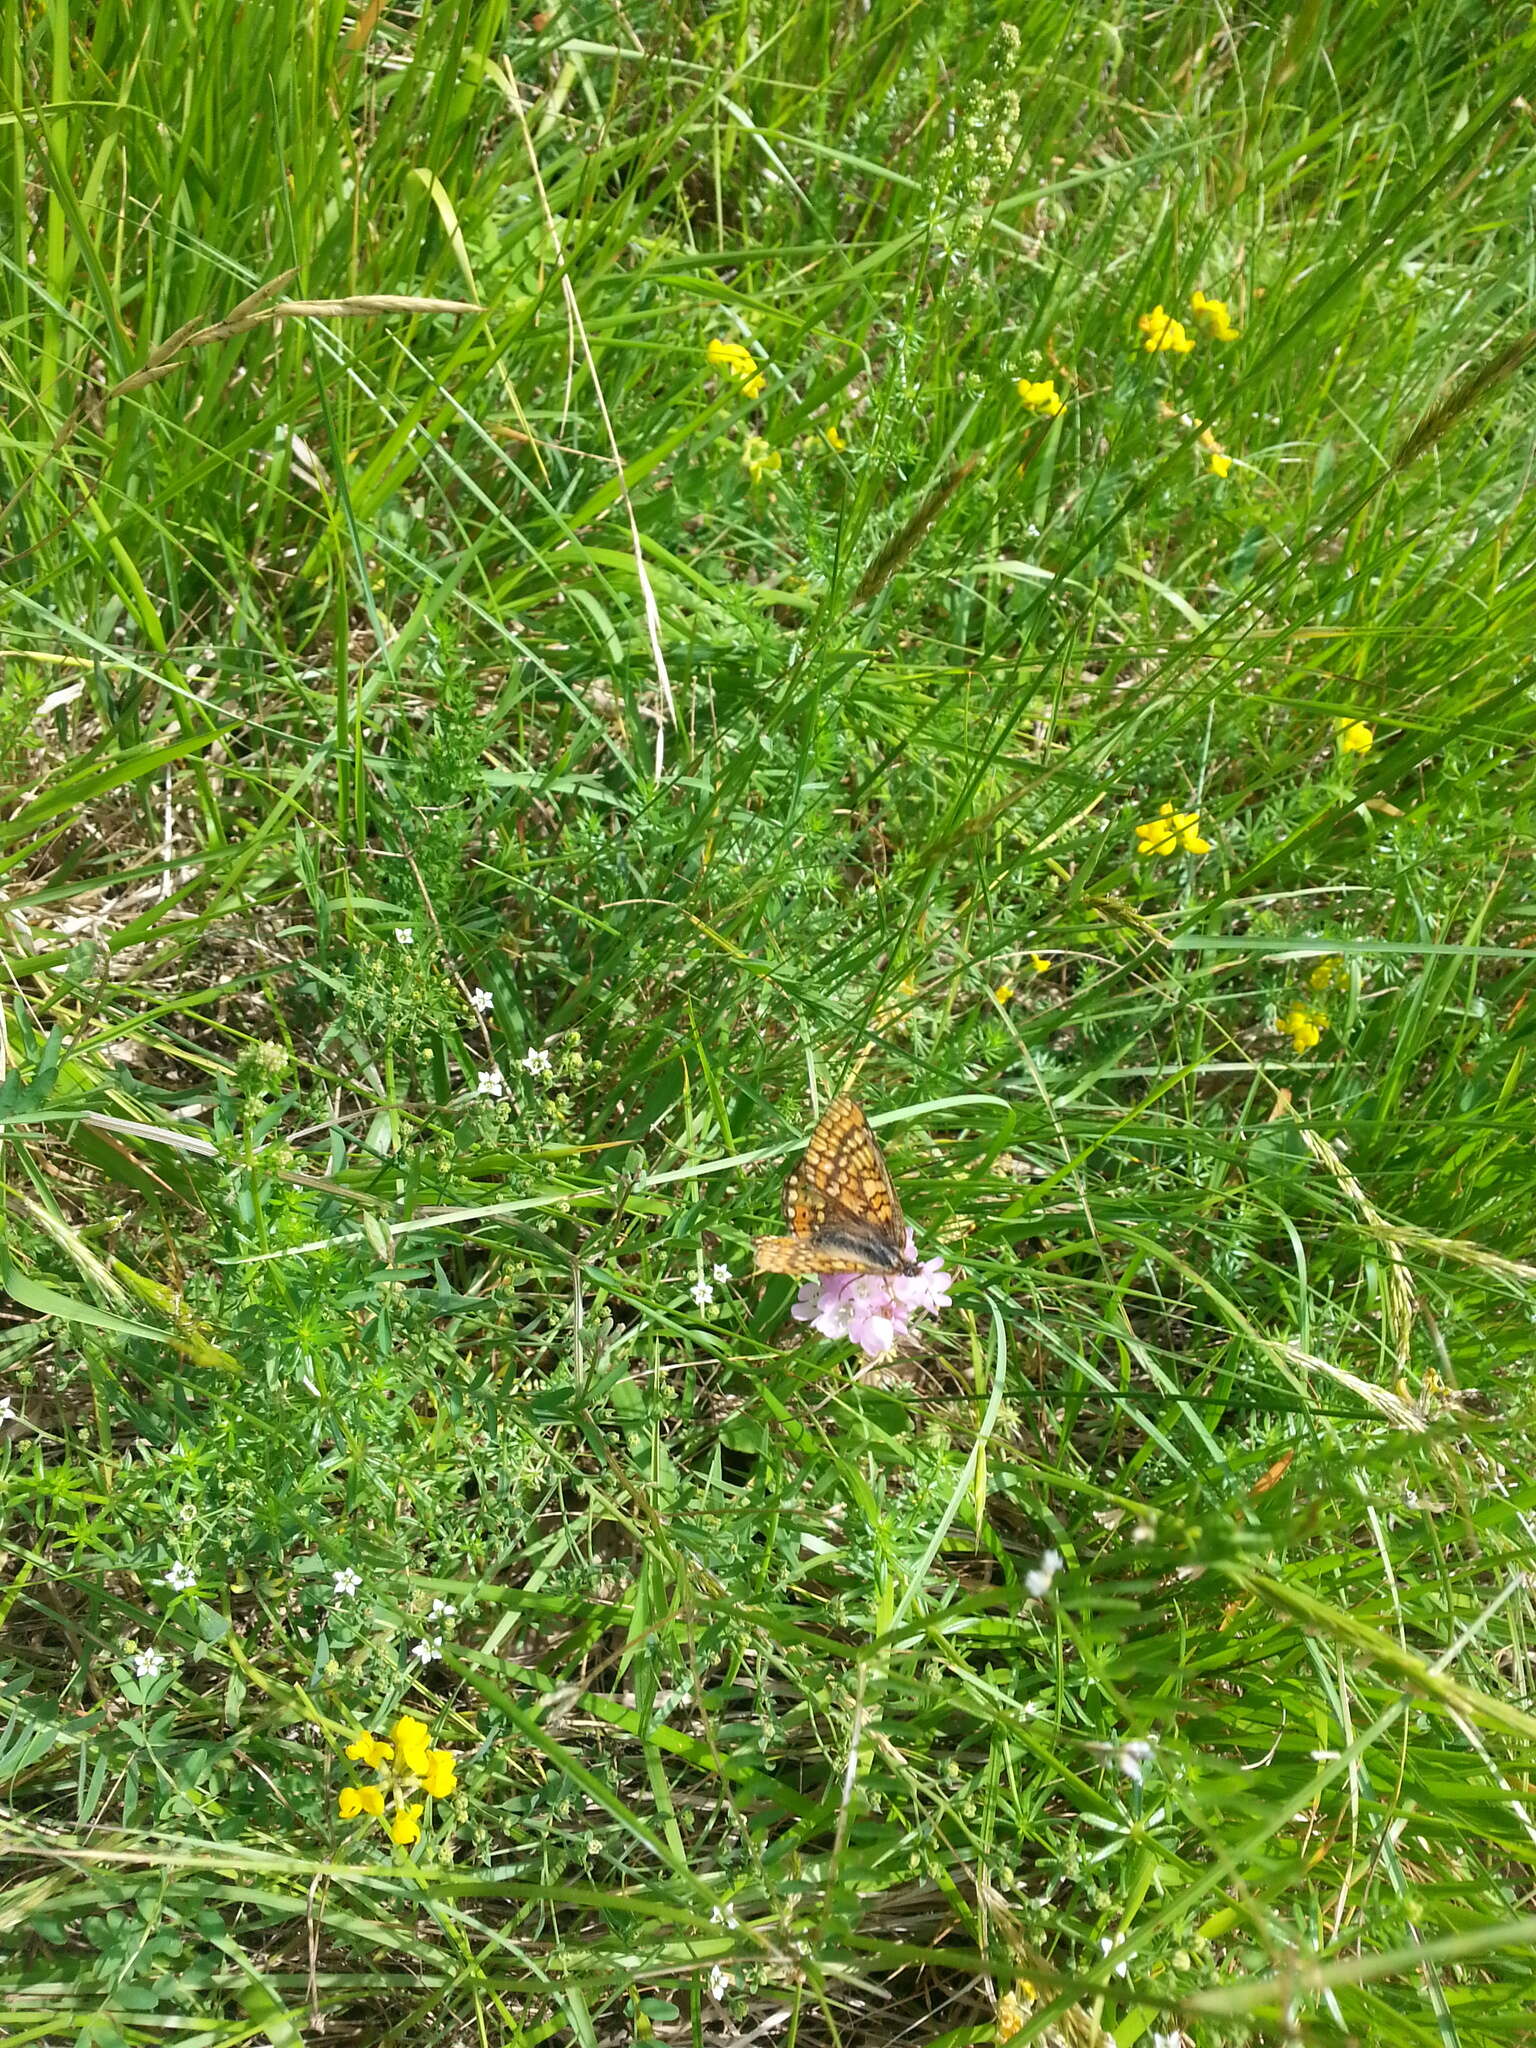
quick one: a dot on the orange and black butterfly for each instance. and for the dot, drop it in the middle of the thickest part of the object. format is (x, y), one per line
(840, 1206)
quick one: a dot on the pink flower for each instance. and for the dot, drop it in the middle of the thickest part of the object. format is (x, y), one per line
(874, 1310)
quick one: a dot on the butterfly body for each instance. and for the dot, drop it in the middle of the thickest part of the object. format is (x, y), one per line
(840, 1205)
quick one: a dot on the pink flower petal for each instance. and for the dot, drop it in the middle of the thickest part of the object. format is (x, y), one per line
(874, 1334)
(874, 1310)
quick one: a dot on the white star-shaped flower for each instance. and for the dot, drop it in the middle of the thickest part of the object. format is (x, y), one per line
(1038, 1583)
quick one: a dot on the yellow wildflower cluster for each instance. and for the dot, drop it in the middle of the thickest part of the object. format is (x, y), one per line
(1212, 318)
(1041, 396)
(1010, 2018)
(1221, 461)
(1329, 972)
(1160, 330)
(407, 1763)
(833, 439)
(1169, 832)
(739, 362)
(1355, 736)
(1302, 1025)
(760, 458)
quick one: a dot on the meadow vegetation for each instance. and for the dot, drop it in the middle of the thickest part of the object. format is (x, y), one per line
(575, 584)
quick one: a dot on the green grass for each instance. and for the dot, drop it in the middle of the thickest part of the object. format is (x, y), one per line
(473, 625)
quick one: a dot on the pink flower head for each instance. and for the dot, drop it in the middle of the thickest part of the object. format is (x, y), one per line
(875, 1310)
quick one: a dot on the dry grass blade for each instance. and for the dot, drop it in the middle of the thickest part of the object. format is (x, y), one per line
(252, 311)
(1397, 1290)
(364, 306)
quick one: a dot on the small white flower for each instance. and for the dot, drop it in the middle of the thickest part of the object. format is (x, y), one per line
(537, 1061)
(1167, 2041)
(702, 1293)
(149, 1663)
(483, 1000)
(404, 936)
(722, 1273)
(719, 1983)
(1038, 1582)
(189, 1512)
(443, 1610)
(1106, 1943)
(428, 1650)
(180, 1578)
(490, 1083)
(7, 1408)
(1132, 1758)
(346, 1582)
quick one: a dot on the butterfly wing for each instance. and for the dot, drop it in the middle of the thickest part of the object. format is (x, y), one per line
(843, 1178)
(839, 1203)
(828, 1252)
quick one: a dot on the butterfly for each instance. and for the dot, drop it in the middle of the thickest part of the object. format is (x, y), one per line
(839, 1204)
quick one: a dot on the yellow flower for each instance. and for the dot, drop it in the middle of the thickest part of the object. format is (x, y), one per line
(1355, 736)
(1042, 963)
(833, 439)
(1041, 397)
(1170, 831)
(1161, 331)
(740, 363)
(1302, 1026)
(1003, 993)
(438, 1778)
(1330, 972)
(1221, 462)
(760, 458)
(1010, 2017)
(405, 1828)
(1212, 319)
(413, 1744)
(370, 1751)
(355, 1799)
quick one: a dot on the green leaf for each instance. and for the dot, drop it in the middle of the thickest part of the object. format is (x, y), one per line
(44, 1300)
